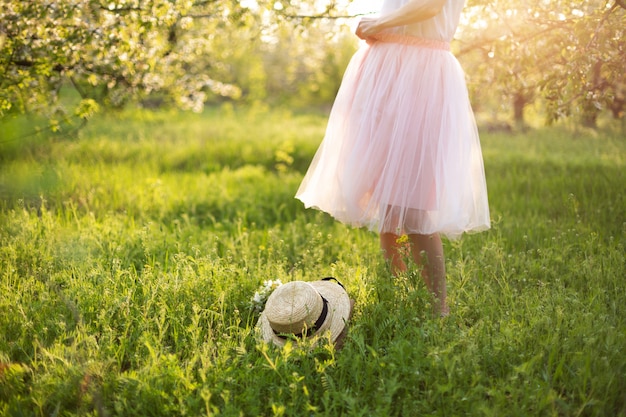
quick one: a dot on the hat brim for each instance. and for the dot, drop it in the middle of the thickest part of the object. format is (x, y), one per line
(339, 310)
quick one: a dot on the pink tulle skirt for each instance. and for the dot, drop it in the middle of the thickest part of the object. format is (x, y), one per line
(401, 152)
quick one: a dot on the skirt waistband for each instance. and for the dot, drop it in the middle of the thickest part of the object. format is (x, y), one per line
(409, 40)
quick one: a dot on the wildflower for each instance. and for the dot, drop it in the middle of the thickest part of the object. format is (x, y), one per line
(257, 302)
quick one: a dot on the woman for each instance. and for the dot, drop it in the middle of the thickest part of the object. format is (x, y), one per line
(401, 154)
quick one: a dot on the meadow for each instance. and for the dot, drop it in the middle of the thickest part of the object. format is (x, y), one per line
(130, 251)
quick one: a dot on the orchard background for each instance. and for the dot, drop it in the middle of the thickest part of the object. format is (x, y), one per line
(149, 155)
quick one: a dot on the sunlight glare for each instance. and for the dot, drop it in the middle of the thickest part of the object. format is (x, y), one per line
(363, 7)
(249, 4)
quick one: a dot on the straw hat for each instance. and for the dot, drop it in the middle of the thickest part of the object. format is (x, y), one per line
(305, 309)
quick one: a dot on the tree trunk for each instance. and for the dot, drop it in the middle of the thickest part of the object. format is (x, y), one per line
(519, 103)
(617, 108)
(590, 116)
(591, 110)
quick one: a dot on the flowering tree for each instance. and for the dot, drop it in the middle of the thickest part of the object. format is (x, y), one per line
(114, 51)
(569, 54)
(107, 50)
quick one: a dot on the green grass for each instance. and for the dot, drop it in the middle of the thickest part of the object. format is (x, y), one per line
(129, 255)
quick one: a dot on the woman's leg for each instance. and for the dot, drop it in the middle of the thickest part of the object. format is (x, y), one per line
(393, 251)
(427, 252)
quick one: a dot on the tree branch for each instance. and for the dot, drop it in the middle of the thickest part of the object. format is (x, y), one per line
(323, 16)
(122, 9)
(29, 64)
(202, 3)
(78, 88)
